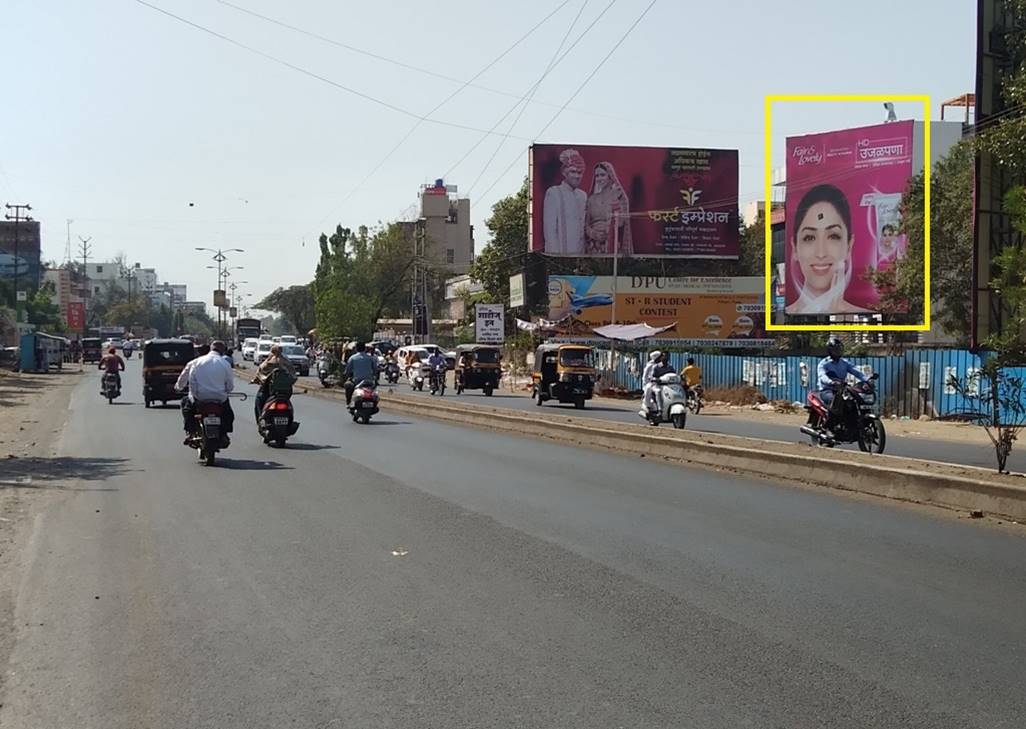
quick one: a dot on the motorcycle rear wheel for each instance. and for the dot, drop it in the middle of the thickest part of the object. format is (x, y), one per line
(873, 437)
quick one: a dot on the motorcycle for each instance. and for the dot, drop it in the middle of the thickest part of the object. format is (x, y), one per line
(392, 372)
(109, 387)
(858, 424)
(277, 420)
(671, 403)
(695, 399)
(437, 376)
(210, 435)
(364, 403)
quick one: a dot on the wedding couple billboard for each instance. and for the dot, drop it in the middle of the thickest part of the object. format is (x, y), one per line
(634, 201)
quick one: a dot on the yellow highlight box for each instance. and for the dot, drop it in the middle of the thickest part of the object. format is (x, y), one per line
(783, 98)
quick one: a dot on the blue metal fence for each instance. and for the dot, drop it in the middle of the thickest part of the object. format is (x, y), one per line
(912, 384)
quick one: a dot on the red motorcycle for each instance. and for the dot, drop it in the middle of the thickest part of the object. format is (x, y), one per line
(856, 424)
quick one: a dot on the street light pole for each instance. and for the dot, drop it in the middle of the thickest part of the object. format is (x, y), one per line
(220, 257)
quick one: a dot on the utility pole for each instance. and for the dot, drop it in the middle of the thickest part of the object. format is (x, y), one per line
(420, 305)
(17, 218)
(67, 246)
(84, 250)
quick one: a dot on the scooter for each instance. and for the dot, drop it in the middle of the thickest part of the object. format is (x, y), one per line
(418, 374)
(391, 372)
(670, 395)
(109, 387)
(324, 372)
(277, 420)
(364, 403)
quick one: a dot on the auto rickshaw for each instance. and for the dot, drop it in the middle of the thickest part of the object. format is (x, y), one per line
(477, 368)
(563, 372)
(163, 361)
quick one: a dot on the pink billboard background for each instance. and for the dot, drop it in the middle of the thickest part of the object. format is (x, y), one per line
(677, 201)
(869, 167)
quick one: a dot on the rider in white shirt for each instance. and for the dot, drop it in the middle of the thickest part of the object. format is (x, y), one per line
(210, 379)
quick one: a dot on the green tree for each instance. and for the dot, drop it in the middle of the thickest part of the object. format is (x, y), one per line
(295, 303)
(506, 252)
(359, 277)
(42, 312)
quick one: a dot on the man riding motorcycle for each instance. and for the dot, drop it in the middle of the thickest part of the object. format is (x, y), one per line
(111, 363)
(437, 364)
(209, 379)
(273, 362)
(360, 367)
(832, 372)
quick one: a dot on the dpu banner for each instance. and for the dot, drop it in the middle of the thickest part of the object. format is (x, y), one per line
(706, 310)
(641, 201)
(844, 194)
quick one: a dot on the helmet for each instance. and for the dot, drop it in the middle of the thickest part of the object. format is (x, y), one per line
(835, 347)
(654, 356)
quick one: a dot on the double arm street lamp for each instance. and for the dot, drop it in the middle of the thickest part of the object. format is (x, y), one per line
(219, 257)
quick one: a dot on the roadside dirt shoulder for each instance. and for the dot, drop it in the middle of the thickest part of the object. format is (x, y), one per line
(34, 411)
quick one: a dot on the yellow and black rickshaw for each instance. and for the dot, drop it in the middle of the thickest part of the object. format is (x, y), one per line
(563, 372)
(477, 368)
(163, 361)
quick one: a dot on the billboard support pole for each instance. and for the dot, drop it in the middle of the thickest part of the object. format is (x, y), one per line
(616, 261)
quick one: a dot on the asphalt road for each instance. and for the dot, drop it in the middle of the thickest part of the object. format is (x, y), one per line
(414, 574)
(968, 454)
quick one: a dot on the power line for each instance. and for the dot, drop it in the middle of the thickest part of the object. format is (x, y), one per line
(442, 103)
(523, 103)
(453, 79)
(311, 74)
(580, 88)
(513, 108)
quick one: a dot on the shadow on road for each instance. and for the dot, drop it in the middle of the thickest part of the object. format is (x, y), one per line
(309, 447)
(242, 464)
(390, 422)
(54, 472)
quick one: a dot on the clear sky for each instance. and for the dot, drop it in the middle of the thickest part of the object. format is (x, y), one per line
(118, 117)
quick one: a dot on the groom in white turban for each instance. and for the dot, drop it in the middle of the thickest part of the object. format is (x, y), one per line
(563, 209)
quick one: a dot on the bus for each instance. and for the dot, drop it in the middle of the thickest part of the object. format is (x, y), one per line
(246, 329)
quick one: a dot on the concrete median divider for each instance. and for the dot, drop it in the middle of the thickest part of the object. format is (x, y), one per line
(906, 479)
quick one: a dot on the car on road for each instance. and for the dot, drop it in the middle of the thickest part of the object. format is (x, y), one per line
(287, 339)
(295, 354)
(249, 348)
(262, 351)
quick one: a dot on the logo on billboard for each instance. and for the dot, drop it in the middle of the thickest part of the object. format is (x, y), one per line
(878, 150)
(690, 196)
(807, 155)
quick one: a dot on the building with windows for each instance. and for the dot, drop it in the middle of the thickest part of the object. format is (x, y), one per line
(444, 228)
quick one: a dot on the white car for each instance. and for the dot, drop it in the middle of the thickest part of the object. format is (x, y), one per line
(295, 354)
(287, 339)
(249, 348)
(262, 351)
(266, 337)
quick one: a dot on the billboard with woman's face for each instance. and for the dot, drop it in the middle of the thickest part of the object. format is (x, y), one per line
(634, 201)
(844, 194)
